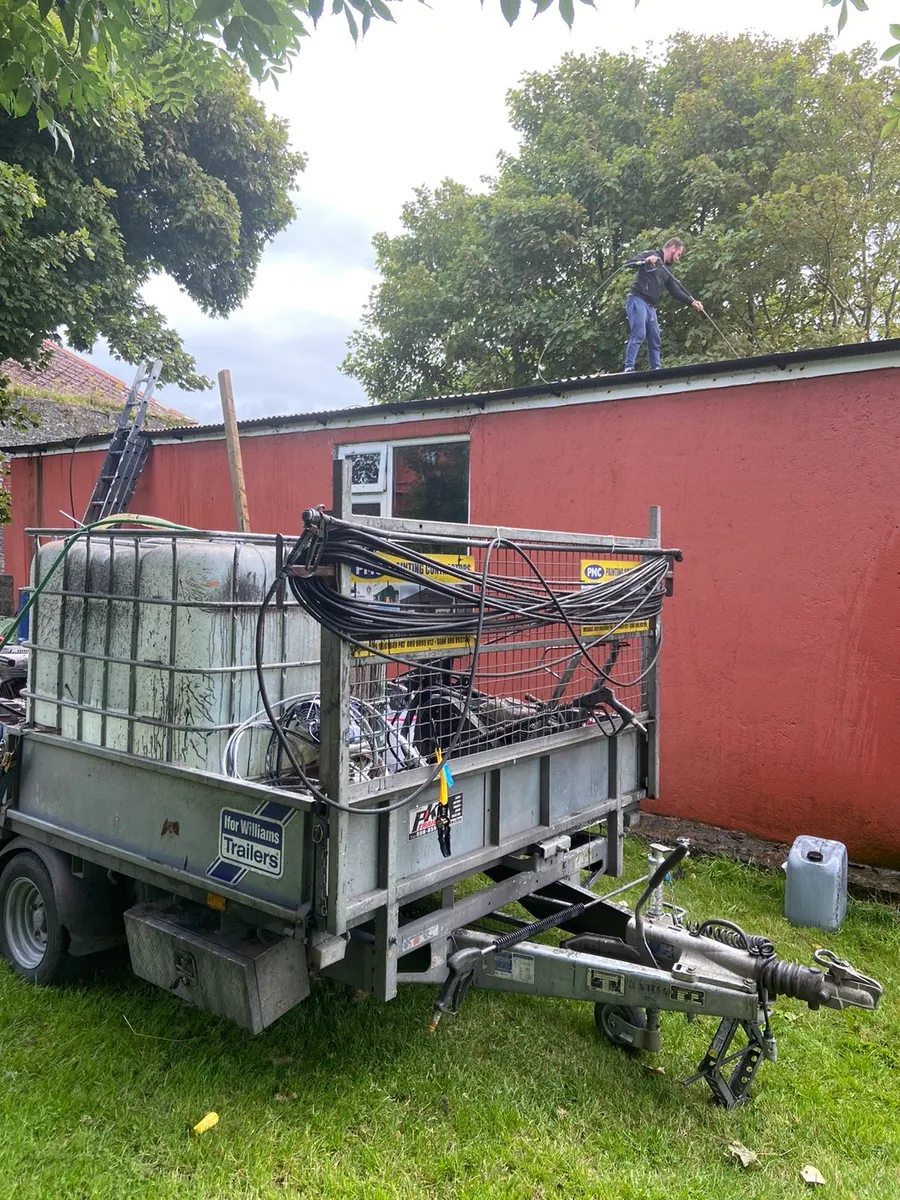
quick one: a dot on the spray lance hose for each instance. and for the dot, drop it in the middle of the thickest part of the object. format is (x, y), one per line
(629, 263)
(727, 341)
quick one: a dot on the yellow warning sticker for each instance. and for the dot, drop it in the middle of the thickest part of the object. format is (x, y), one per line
(602, 570)
(367, 583)
(620, 630)
(384, 588)
(415, 646)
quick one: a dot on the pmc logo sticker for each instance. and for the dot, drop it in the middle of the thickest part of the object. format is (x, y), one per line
(424, 820)
(600, 570)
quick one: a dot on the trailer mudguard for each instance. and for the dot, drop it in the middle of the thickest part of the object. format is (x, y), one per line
(90, 905)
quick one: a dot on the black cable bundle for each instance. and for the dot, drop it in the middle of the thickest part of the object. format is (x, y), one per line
(501, 605)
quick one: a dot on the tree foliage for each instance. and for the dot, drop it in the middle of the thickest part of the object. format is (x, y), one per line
(196, 197)
(88, 52)
(767, 157)
(92, 51)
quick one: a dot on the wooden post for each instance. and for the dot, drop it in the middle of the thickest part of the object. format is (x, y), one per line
(235, 465)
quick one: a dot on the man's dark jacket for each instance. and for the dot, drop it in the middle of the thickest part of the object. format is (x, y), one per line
(650, 280)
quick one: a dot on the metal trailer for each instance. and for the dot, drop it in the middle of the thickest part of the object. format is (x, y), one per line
(233, 891)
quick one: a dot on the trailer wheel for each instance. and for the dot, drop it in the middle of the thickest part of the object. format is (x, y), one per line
(32, 938)
(625, 1012)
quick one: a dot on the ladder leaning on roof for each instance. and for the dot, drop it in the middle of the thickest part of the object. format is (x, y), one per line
(127, 449)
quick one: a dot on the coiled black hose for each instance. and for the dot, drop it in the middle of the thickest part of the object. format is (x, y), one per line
(502, 605)
(731, 934)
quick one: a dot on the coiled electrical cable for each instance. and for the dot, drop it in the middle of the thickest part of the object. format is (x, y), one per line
(312, 787)
(514, 605)
(377, 735)
(329, 542)
(731, 934)
(481, 605)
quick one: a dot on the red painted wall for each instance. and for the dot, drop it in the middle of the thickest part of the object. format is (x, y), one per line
(781, 668)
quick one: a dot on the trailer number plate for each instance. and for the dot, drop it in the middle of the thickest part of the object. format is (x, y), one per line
(509, 965)
(603, 981)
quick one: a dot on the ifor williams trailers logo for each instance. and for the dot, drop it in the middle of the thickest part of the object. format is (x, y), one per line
(251, 842)
(424, 820)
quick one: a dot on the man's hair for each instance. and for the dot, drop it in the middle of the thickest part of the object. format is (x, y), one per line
(674, 244)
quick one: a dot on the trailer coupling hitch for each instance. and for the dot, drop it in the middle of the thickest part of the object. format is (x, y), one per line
(849, 987)
(838, 985)
(834, 983)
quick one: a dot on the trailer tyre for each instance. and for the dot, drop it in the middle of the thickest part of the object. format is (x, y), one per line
(625, 1012)
(32, 938)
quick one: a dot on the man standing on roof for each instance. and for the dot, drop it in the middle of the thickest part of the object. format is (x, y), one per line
(640, 308)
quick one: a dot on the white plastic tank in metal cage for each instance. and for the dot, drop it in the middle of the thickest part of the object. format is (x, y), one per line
(146, 643)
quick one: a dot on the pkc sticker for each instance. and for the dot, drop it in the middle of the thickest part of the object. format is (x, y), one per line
(424, 820)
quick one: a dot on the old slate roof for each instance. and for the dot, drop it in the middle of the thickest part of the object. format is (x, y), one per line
(73, 398)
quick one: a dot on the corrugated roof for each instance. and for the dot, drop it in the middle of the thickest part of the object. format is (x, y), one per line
(667, 380)
(66, 374)
(557, 387)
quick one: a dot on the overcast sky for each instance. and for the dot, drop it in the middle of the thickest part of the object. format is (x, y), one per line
(414, 103)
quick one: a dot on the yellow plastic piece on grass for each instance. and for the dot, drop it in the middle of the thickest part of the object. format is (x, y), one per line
(206, 1123)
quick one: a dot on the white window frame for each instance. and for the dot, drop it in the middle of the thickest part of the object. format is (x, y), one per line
(367, 493)
(379, 448)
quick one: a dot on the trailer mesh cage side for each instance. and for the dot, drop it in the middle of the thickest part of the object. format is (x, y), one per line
(166, 644)
(479, 643)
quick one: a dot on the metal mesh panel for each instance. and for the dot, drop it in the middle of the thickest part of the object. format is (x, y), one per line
(417, 695)
(145, 642)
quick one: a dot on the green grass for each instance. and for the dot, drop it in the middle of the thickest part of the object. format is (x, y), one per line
(515, 1098)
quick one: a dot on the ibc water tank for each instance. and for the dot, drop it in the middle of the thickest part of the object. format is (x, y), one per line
(147, 643)
(816, 884)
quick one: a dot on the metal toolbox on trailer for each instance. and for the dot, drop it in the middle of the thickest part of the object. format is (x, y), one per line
(252, 978)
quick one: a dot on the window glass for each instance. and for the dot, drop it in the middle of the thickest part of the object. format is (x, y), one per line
(431, 482)
(366, 472)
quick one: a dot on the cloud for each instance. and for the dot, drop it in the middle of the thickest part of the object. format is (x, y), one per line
(277, 375)
(284, 345)
(271, 373)
(324, 235)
